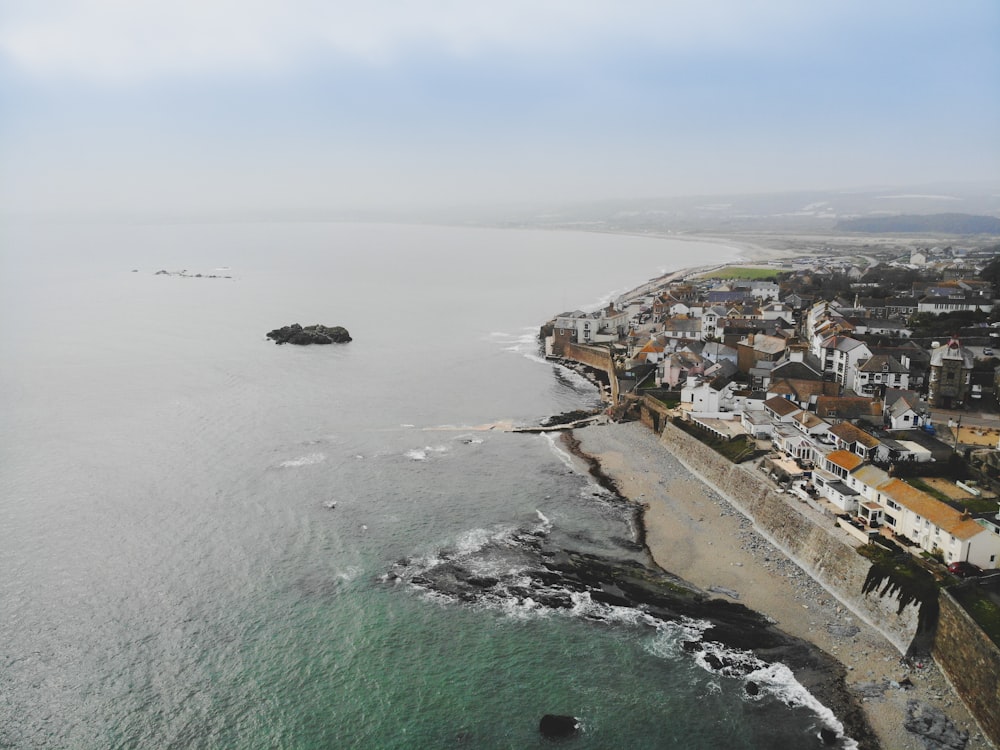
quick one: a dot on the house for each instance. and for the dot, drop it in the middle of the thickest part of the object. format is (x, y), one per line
(710, 320)
(709, 395)
(809, 424)
(853, 439)
(675, 368)
(780, 409)
(836, 491)
(579, 327)
(951, 374)
(717, 351)
(874, 375)
(839, 408)
(792, 442)
(891, 328)
(840, 355)
(904, 410)
(682, 327)
(802, 392)
(954, 302)
(758, 347)
(936, 527)
(840, 463)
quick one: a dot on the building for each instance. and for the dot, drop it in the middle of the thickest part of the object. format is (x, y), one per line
(874, 375)
(951, 375)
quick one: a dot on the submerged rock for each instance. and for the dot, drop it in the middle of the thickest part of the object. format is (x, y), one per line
(305, 335)
(554, 725)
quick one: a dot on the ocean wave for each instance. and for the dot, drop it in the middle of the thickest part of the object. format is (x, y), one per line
(307, 460)
(761, 679)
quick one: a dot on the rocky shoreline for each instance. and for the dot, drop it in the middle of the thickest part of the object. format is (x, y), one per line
(697, 535)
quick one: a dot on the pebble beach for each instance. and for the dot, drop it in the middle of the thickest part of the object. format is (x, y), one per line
(698, 535)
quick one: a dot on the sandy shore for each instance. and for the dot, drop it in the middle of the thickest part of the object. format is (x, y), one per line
(699, 536)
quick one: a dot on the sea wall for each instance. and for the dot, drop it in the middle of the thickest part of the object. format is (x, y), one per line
(971, 661)
(813, 547)
(597, 357)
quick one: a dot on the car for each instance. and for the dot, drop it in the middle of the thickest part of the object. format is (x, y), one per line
(987, 352)
(964, 569)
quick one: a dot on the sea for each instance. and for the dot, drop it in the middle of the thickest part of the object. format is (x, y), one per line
(197, 526)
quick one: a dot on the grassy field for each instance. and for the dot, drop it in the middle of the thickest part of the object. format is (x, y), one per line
(739, 272)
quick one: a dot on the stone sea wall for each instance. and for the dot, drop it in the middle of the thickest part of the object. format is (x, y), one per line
(836, 566)
(597, 357)
(971, 662)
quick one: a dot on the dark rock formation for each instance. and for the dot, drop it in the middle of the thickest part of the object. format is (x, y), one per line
(556, 726)
(305, 335)
(934, 727)
(828, 736)
(539, 572)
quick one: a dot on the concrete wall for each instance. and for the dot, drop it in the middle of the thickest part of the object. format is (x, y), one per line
(598, 357)
(971, 661)
(836, 566)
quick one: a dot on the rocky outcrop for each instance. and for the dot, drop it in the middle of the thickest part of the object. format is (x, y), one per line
(305, 335)
(530, 569)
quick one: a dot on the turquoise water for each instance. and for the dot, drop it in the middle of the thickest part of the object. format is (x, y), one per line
(172, 575)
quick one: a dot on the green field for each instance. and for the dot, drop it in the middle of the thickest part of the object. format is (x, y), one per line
(738, 272)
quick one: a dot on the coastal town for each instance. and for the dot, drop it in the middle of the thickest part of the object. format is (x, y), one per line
(853, 393)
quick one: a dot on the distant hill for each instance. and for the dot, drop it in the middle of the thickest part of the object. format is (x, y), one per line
(943, 223)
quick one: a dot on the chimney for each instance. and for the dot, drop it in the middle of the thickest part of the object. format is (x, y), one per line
(750, 338)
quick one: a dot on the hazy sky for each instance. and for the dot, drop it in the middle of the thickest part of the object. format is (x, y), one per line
(321, 104)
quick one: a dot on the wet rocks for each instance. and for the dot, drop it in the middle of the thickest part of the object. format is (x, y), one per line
(935, 729)
(305, 335)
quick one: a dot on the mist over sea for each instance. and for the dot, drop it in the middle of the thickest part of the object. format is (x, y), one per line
(171, 575)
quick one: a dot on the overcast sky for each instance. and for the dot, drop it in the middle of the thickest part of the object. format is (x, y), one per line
(205, 105)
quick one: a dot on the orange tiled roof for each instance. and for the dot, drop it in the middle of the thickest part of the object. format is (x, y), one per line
(940, 514)
(845, 460)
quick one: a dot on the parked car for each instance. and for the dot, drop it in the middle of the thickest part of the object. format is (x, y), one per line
(987, 352)
(964, 569)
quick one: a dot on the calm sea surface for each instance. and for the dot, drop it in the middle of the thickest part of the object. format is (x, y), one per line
(170, 573)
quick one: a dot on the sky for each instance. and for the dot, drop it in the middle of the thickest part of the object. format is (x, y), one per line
(201, 106)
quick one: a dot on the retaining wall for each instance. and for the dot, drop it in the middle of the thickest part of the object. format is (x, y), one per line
(813, 547)
(971, 661)
(598, 357)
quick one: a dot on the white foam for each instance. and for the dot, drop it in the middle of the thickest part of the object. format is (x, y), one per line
(349, 574)
(307, 460)
(775, 680)
(421, 454)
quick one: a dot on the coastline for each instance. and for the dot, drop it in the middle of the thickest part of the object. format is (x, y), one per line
(695, 534)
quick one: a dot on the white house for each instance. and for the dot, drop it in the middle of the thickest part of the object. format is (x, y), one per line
(875, 374)
(937, 527)
(709, 395)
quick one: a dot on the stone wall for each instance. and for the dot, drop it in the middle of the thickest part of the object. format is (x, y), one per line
(971, 662)
(813, 547)
(598, 357)
(653, 413)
